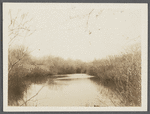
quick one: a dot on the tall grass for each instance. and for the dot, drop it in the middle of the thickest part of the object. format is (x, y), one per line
(122, 74)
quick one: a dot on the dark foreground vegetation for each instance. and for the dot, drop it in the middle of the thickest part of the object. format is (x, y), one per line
(121, 73)
(22, 66)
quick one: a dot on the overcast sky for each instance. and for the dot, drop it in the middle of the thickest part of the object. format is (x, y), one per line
(81, 31)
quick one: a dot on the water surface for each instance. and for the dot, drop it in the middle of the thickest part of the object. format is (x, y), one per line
(68, 90)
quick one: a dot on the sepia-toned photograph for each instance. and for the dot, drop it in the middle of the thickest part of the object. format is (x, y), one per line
(75, 57)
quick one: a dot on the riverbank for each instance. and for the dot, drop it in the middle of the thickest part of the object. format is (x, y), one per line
(121, 74)
(73, 90)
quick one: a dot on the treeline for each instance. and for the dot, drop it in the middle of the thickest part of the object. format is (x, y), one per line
(21, 65)
(21, 61)
(121, 73)
(57, 65)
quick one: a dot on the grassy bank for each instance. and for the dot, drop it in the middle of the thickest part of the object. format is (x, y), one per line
(121, 74)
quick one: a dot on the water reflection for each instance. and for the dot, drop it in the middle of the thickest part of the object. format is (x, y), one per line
(65, 90)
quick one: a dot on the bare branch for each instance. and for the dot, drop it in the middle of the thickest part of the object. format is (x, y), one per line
(15, 63)
(18, 27)
(32, 96)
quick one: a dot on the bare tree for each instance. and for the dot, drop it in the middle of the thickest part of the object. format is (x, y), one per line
(19, 28)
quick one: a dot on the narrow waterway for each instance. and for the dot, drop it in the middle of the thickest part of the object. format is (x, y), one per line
(69, 90)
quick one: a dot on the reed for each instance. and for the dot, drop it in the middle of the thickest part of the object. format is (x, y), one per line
(122, 74)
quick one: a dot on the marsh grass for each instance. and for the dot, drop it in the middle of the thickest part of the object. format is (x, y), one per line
(122, 74)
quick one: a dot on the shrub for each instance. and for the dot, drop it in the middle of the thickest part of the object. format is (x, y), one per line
(121, 74)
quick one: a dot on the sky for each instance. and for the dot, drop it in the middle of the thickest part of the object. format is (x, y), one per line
(80, 31)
